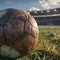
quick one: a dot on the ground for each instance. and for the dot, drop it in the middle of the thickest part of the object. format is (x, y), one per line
(48, 47)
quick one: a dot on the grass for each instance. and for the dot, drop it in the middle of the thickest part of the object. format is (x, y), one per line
(48, 47)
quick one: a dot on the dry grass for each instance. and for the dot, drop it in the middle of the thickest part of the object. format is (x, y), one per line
(48, 46)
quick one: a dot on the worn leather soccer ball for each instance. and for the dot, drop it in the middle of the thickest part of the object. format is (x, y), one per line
(18, 30)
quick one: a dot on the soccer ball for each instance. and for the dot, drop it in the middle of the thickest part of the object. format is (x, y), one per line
(18, 30)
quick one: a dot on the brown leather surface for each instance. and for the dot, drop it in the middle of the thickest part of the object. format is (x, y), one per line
(18, 29)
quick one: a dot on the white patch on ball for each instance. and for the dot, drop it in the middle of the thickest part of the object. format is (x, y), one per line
(2, 13)
(8, 51)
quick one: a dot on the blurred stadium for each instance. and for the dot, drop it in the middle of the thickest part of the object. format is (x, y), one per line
(47, 17)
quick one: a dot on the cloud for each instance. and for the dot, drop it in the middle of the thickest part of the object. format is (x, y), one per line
(45, 3)
(54, 2)
(34, 9)
(49, 3)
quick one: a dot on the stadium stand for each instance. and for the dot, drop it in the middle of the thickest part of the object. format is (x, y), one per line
(47, 17)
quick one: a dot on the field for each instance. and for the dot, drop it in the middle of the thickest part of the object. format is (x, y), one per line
(48, 47)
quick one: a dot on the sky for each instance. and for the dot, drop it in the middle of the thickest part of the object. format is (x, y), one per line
(28, 4)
